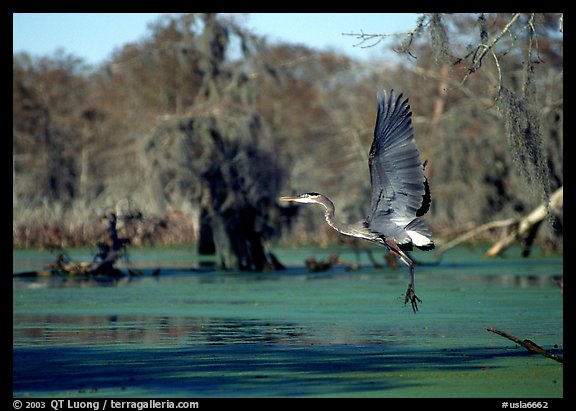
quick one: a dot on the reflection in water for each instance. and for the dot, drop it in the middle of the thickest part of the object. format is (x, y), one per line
(522, 281)
(37, 329)
(181, 308)
(73, 281)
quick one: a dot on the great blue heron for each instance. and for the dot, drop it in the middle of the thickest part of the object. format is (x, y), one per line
(400, 191)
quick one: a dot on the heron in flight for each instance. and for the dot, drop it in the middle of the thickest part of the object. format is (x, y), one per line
(400, 192)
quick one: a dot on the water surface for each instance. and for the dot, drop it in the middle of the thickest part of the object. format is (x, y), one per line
(197, 332)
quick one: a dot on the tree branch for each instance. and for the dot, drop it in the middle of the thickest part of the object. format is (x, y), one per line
(529, 345)
(520, 228)
(364, 37)
(485, 48)
(529, 222)
(474, 232)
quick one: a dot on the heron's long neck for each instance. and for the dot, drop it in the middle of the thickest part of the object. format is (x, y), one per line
(329, 215)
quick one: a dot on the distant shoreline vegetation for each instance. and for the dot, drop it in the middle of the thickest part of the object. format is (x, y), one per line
(200, 125)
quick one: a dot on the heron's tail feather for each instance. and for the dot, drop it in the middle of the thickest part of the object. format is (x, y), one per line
(420, 234)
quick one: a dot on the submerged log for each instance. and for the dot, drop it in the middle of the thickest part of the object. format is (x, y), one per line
(314, 265)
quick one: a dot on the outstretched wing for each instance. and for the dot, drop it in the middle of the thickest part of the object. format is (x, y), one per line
(396, 172)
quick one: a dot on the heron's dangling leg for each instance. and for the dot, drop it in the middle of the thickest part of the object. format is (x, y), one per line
(410, 294)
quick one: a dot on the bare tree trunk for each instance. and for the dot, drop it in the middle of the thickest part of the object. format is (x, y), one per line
(237, 243)
(439, 101)
(110, 253)
(206, 244)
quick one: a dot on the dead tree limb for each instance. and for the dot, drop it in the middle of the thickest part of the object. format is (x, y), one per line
(529, 345)
(473, 233)
(518, 229)
(527, 226)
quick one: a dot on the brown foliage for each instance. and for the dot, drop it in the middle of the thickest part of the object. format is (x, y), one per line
(178, 113)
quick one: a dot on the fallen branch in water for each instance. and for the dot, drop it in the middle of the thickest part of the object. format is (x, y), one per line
(529, 345)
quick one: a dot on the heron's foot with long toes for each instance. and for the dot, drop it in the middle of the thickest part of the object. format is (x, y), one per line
(411, 296)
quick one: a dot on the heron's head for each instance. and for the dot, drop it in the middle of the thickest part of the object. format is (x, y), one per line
(308, 198)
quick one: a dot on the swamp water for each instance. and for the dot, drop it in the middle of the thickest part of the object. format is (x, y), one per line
(203, 333)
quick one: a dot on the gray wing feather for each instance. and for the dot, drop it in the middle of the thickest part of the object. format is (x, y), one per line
(396, 172)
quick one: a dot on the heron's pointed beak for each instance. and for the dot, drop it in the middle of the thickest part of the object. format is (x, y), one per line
(286, 199)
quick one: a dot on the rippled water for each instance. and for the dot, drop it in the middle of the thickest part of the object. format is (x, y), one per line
(197, 332)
